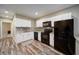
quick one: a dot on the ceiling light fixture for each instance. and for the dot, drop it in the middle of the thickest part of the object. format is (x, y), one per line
(36, 13)
(6, 11)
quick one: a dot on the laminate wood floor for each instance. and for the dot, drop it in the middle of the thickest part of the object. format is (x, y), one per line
(8, 46)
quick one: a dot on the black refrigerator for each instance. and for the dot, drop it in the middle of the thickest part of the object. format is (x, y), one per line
(64, 40)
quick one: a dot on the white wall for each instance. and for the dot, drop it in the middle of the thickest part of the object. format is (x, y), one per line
(0, 28)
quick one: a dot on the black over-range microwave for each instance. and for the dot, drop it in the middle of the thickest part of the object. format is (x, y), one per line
(47, 24)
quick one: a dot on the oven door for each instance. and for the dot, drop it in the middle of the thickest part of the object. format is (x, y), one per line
(45, 38)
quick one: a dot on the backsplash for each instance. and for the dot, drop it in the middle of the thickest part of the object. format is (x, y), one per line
(23, 30)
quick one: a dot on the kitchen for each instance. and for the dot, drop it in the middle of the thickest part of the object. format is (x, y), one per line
(27, 28)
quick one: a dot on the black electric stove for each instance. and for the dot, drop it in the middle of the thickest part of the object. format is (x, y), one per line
(45, 36)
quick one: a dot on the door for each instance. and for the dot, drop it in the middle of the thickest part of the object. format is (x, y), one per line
(6, 29)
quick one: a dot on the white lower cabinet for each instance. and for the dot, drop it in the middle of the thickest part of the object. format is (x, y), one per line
(52, 39)
(18, 38)
(77, 47)
(39, 36)
(24, 37)
(30, 35)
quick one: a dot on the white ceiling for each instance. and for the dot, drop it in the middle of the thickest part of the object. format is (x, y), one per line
(30, 9)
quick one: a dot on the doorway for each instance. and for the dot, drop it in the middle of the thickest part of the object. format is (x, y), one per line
(6, 29)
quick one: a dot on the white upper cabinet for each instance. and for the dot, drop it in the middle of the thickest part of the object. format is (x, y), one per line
(22, 22)
(39, 23)
(62, 17)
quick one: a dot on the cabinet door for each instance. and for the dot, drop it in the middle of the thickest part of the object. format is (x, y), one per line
(39, 36)
(39, 23)
(52, 39)
(18, 38)
(28, 36)
(62, 17)
(22, 23)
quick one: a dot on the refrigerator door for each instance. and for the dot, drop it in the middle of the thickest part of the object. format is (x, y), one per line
(64, 37)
